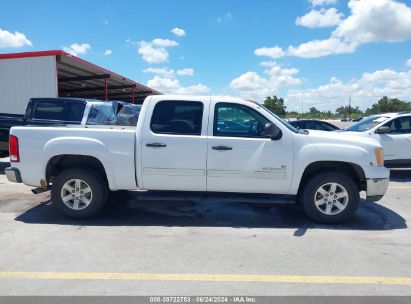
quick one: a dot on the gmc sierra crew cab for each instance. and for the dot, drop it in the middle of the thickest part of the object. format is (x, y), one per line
(200, 145)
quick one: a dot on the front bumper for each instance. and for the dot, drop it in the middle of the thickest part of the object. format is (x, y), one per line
(13, 175)
(376, 188)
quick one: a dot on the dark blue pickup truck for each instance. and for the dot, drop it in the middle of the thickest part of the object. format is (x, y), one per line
(65, 111)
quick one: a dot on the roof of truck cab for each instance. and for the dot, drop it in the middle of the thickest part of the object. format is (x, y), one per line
(194, 97)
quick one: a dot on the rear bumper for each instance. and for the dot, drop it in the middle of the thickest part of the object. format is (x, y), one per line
(13, 175)
(376, 188)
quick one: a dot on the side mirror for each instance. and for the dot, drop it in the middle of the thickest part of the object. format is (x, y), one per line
(383, 130)
(272, 131)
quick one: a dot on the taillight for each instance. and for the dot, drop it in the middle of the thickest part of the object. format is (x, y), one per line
(14, 149)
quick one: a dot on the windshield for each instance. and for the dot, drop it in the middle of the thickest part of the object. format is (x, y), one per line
(367, 123)
(285, 123)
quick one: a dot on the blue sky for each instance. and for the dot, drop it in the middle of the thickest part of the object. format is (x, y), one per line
(355, 48)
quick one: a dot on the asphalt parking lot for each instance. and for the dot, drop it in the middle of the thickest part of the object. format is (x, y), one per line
(202, 248)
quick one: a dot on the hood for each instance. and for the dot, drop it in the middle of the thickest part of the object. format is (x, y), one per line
(353, 133)
(343, 138)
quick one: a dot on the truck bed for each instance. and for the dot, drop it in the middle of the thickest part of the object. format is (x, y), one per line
(113, 145)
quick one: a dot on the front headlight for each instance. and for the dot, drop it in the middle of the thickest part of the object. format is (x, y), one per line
(379, 156)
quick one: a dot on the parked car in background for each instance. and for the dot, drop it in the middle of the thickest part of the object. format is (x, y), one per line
(393, 130)
(69, 111)
(241, 149)
(314, 125)
(345, 119)
(357, 119)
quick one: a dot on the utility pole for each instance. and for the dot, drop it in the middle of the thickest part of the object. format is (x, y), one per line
(302, 99)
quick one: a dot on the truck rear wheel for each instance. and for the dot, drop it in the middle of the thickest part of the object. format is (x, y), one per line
(330, 198)
(79, 193)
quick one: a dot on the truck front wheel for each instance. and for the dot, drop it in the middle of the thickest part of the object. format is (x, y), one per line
(79, 193)
(330, 198)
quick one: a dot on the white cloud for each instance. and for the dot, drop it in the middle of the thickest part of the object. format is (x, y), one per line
(370, 21)
(376, 20)
(155, 52)
(320, 18)
(108, 52)
(185, 72)
(408, 62)
(166, 72)
(268, 63)
(257, 86)
(178, 32)
(151, 54)
(78, 49)
(273, 52)
(318, 48)
(164, 42)
(197, 89)
(169, 73)
(363, 91)
(173, 86)
(322, 2)
(10, 40)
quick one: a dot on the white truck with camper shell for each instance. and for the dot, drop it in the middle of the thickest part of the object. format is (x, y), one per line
(200, 145)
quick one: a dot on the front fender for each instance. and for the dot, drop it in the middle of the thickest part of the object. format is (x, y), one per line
(323, 152)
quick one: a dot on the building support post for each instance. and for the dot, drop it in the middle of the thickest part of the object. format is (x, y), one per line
(132, 95)
(105, 89)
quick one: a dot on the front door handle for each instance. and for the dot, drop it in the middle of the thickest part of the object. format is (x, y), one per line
(222, 148)
(156, 145)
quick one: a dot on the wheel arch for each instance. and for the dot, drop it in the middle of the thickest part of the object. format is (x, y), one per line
(350, 169)
(59, 163)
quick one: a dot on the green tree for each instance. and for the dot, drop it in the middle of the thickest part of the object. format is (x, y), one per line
(276, 105)
(386, 104)
(293, 114)
(314, 112)
(344, 111)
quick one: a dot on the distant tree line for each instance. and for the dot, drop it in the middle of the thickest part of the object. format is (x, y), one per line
(383, 105)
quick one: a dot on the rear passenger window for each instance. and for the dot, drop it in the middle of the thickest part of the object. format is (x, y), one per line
(177, 117)
(59, 111)
(49, 110)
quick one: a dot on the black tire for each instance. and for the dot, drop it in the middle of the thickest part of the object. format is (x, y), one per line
(309, 192)
(97, 198)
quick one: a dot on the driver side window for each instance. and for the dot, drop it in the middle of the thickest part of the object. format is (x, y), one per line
(235, 120)
(401, 125)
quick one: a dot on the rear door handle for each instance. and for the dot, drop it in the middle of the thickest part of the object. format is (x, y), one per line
(222, 148)
(156, 145)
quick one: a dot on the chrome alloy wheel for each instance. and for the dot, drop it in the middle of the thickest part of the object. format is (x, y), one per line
(76, 194)
(331, 198)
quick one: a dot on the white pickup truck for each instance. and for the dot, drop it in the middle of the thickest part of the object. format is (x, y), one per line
(204, 145)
